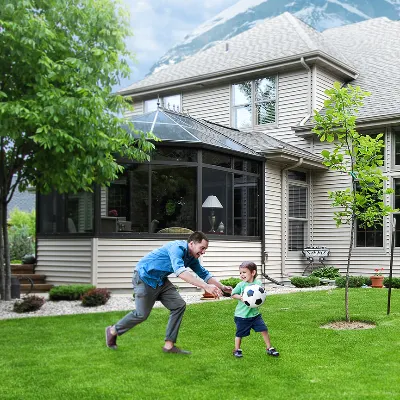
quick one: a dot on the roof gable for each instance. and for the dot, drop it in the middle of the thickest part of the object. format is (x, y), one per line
(276, 39)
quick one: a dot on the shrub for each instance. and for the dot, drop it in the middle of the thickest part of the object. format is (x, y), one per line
(21, 242)
(354, 281)
(69, 292)
(22, 219)
(28, 304)
(16, 262)
(95, 297)
(395, 283)
(304, 281)
(230, 281)
(326, 273)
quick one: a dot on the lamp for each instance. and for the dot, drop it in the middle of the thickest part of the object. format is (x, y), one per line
(212, 202)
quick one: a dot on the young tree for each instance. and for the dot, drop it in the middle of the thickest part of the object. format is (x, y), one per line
(356, 155)
(59, 120)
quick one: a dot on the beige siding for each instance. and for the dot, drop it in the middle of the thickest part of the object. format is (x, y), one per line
(273, 220)
(116, 259)
(323, 80)
(293, 106)
(137, 109)
(64, 261)
(212, 104)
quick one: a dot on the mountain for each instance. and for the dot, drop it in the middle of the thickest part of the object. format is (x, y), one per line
(320, 14)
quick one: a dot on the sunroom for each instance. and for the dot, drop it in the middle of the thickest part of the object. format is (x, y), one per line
(199, 178)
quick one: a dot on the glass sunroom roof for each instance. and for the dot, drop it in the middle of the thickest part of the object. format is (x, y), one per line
(169, 125)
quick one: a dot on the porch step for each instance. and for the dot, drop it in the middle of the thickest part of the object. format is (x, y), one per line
(36, 278)
(25, 274)
(18, 269)
(37, 287)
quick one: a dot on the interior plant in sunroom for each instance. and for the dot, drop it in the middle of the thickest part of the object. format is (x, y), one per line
(357, 156)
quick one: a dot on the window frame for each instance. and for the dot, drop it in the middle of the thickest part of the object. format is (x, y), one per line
(254, 103)
(306, 220)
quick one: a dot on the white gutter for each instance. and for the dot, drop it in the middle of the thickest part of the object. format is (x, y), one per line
(283, 216)
(309, 93)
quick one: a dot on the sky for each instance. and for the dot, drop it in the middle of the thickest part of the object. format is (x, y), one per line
(160, 24)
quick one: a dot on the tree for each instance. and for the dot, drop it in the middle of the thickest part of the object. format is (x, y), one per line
(60, 124)
(356, 155)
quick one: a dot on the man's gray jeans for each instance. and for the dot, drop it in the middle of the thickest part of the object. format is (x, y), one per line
(145, 297)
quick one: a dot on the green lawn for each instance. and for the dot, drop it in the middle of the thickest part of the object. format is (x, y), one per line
(66, 357)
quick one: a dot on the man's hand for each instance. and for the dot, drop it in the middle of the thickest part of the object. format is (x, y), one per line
(214, 290)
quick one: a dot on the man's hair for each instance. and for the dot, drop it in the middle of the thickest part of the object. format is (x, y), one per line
(250, 265)
(197, 237)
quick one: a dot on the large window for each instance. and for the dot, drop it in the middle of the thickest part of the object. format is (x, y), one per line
(298, 210)
(254, 103)
(369, 236)
(165, 193)
(396, 138)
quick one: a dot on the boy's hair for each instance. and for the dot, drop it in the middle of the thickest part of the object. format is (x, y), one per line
(197, 237)
(250, 265)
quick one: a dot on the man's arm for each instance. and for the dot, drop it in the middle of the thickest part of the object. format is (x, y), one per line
(214, 289)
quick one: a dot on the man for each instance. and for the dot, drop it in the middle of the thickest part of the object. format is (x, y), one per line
(151, 283)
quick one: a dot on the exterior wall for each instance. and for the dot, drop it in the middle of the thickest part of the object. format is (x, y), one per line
(65, 261)
(273, 220)
(322, 80)
(325, 232)
(108, 263)
(116, 259)
(138, 109)
(212, 104)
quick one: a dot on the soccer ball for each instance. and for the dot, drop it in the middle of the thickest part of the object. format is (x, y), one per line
(254, 295)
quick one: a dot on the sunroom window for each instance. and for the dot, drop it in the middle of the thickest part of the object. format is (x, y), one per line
(254, 103)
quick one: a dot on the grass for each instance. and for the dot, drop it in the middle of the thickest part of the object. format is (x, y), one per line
(66, 358)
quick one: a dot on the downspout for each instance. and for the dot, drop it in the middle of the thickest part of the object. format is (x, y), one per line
(283, 214)
(309, 94)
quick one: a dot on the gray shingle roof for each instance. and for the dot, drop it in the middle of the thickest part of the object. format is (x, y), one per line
(373, 47)
(262, 143)
(279, 38)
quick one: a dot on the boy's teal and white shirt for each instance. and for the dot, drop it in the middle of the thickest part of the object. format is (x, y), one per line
(242, 310)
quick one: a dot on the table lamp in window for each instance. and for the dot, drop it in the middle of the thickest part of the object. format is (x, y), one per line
(212, 202)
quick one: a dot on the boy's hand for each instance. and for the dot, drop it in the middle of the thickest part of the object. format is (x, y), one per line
(227, 291)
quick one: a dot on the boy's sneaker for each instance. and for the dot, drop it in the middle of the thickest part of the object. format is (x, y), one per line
(237, 353)
(272, 352)
(111, 340)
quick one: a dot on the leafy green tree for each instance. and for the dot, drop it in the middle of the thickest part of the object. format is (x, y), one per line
(359, 157)
(60, 124)
(22, 219)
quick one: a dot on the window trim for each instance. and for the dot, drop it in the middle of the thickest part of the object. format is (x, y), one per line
(253, 104)
(306, 220)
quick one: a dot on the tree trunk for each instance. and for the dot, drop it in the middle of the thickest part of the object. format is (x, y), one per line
(5, 266)
(346, 290)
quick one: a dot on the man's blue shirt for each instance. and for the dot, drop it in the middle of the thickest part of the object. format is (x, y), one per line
(173, 257)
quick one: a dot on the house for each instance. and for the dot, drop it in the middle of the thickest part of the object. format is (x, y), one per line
(237, 160)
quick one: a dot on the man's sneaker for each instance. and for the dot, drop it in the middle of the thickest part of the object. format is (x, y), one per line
(111, 340)
(272, 352)
(176, 350)
(238, 353)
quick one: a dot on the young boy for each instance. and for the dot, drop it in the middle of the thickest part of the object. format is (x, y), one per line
(247, 318)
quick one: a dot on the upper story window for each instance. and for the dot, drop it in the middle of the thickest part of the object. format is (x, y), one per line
(396, 138)
(298, 210)
(254, 103)
(170, 102)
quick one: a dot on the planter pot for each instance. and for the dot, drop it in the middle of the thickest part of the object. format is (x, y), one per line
(377, 281)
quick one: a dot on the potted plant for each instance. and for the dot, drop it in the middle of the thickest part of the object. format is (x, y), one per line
(377, 278)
